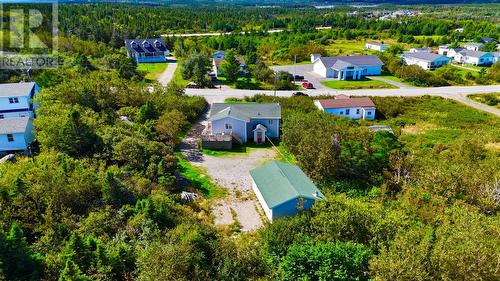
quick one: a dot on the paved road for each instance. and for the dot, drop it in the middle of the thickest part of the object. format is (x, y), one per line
(457, 93)
(167, 75)
(207, 34)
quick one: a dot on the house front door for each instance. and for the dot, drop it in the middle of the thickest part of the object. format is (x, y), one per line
(260, 137)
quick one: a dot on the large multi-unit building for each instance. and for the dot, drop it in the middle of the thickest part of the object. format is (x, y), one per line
(147, 50)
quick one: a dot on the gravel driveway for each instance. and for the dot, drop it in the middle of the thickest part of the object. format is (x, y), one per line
(232, 173)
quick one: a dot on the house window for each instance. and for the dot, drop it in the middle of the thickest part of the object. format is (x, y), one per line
(369, 113)
(347, 111)
(1, 116)
(10, 137)
(357, 110)
(342, 113)
(270, 121)
(229, 127)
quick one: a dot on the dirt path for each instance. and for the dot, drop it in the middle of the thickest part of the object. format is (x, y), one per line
(168, 74)
(232, 173)
(392, 82)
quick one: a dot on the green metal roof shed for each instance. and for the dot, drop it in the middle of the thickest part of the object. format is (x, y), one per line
(279, 186)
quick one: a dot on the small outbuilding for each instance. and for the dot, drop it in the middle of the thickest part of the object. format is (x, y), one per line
(283, 189)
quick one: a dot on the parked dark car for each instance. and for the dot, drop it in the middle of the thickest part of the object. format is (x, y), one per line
(298, 94)
(299, 78)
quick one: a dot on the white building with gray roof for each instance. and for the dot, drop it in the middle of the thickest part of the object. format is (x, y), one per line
(428, 61)
(347, 67)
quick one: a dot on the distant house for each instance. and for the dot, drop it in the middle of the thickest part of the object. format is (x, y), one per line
(16, 99)
(474, 57)
(487, 40)
(347, 67)
(428, 61)
(473, 46)
(451, 52)
(147, 50)
(217, 61)
(376, 46)
(16, 134)
(283, 189)
(344, 106)
(421, 50)
(246, 121)
(496, 57)
(219, 55)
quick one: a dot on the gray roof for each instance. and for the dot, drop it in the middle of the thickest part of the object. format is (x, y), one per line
(140, 48)
(245, 111)
(474, 54)
(376, 43)
(16, 89)
(280, 182)
(13, 125)
(352, 60)
(424, 56)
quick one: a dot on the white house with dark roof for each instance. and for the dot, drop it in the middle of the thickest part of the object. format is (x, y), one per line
(429, 61)
(352, 108)
(473, 46)
(448, 51)
(16, 134)
(421, 50)
(247, 121)
(347, 67)
(474, 57)
(376, 46)
(16, 99)
(147, 50)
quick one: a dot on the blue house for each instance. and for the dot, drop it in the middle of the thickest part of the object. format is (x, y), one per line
(283, 189)
(344, 106)
(246, 121)
(147, 50)
(17, 110)
(16, 134)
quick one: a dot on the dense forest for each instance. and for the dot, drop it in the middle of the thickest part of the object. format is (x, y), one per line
(100, 197)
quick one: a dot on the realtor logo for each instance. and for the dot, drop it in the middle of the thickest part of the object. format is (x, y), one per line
(28, 34)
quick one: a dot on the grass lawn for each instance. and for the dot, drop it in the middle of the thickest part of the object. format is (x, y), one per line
(153, 70)
(245, 149)
(492, 99)
(357, 84)
(177, 77)
(198, 178)
(428, 121)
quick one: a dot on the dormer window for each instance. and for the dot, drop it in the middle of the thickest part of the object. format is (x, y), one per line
(133, 44)
(145, 44)
(157, 44)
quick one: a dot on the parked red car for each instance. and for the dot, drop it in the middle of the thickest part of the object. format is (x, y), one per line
(308, 85)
